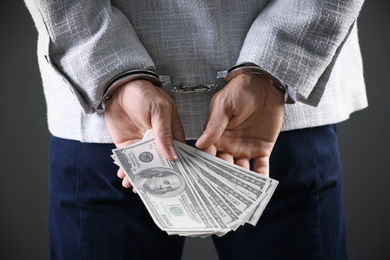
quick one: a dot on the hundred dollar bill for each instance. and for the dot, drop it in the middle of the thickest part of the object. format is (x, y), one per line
(241, 204)
(223, 173)
(162, 188)
(260, 209)
(238, 201)
(250, 183)
(214, 201)
(256, 182)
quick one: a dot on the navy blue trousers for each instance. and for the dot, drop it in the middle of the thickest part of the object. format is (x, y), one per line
(93, 217)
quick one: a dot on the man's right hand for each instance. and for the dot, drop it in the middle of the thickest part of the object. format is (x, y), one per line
(138, 106)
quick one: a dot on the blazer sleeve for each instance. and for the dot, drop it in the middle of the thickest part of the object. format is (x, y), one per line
(298, 41)
(90, 42)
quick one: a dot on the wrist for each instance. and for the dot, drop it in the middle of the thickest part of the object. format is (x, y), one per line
(114, 84)
(259, 85)
(291, 96)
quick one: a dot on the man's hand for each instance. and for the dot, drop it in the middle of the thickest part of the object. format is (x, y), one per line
(138, 106)
(244, 122)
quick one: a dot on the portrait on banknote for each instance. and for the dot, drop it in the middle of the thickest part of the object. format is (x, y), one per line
(160, 182)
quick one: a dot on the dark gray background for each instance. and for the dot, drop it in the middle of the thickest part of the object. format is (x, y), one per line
(24, 140)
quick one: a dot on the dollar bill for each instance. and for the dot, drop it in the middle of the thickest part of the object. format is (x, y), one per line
(215, 202)
(162, 188)
(250, 183)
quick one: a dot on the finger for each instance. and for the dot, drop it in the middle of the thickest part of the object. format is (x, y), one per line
(243, 162)
(219, 117)
(121, 174)
(161, 124)
(261, 165)
(177, 127)
(225, 156)
(212, 150)
(126, 183)
(125, 180)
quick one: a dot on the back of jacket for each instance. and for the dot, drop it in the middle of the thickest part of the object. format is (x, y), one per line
(310, 45)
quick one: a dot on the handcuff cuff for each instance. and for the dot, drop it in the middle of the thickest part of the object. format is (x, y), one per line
(291, 96)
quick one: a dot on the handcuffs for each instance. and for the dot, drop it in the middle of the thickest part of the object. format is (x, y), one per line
(291, 96)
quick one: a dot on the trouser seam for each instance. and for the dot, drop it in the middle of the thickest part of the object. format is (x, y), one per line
(316, 194)
(77, 202)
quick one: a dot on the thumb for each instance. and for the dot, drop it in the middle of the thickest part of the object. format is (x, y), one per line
(162, 130)
(215, 126)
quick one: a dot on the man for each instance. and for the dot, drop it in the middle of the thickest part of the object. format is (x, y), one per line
(102, 64)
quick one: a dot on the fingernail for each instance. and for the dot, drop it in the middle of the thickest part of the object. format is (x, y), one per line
(172, 152)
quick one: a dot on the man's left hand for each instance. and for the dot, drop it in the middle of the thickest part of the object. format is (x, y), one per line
(244, 122)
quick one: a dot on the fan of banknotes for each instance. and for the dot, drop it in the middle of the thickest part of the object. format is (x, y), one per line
(196, 195)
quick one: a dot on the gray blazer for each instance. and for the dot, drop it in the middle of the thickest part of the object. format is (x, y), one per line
(311, 45)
